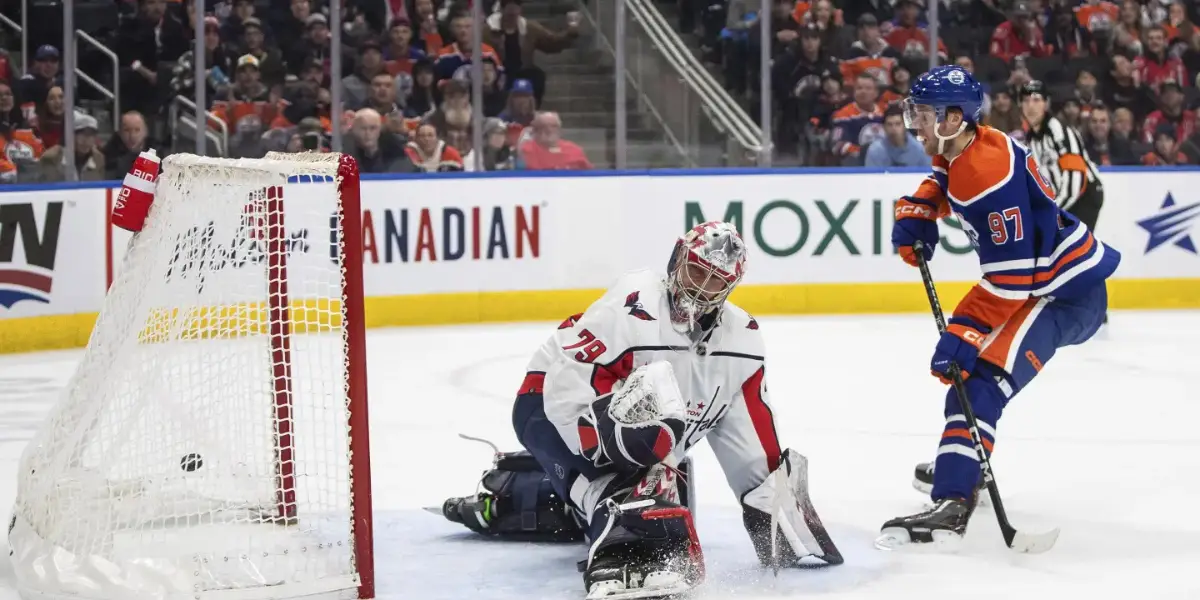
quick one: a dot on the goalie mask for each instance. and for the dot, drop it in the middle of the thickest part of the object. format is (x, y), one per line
(707, 263)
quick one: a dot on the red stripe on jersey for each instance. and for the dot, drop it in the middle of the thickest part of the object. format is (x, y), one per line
(761, 417)
(533, 383)
(604, 377)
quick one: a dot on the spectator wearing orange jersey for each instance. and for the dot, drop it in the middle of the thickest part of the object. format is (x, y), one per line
(21, 150)
(456, 58)
(1094, 15)
(870, 54)
(545, 149)
(858, 123)
(400, 55)
(430, 154)
(428, 38)
(248, 111)
(89, 161)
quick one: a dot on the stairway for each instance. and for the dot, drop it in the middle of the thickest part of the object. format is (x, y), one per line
(580, 86)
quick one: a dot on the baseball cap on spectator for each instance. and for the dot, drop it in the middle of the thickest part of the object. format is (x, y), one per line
(868, 20)
(810, 31)
(316, 19)
(522, 86)
(252, 22)
(492, 125)
(247, 60)
(46, 52)
(1022, 9)
(86, 122)
(401, 21)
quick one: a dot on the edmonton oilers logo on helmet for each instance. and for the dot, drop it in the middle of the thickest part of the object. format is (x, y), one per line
(28, 247)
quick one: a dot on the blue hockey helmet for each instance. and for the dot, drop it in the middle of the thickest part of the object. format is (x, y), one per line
(941, 88)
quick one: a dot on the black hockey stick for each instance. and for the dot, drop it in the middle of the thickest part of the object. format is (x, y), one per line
(1032, 543)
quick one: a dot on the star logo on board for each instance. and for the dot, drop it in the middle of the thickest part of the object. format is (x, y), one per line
(1172, 224)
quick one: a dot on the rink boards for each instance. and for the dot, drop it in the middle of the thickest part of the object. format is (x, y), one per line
(468, 249)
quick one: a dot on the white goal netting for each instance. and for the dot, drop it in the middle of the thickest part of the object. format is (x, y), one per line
(203, 447)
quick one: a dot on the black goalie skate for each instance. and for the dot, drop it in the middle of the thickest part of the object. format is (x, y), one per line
(648, 546)
(923, 482)
(941, 526)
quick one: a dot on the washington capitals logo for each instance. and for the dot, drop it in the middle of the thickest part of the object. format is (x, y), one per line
(1171, 225)
(635, 307)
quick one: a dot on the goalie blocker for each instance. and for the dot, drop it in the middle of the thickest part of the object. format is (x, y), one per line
(609, 408)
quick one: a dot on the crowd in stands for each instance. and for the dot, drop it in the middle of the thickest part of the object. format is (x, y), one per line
(405, 82)
(1125, 73)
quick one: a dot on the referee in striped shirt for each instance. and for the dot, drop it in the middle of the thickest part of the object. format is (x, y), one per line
(1058, 150)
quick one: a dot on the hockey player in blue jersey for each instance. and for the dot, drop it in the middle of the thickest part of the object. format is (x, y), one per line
(1042, 286)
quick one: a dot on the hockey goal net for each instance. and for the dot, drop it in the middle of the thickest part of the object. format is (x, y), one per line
(213, 441)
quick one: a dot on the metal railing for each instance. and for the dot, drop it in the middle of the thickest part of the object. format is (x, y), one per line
(701, 120)
(11, 24)
(114, 95)
(177, 117)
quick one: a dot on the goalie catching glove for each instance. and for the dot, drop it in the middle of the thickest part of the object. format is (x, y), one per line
(639, 424)
(781, 519)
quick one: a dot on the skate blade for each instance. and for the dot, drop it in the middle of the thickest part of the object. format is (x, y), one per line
(605, 593)
(437, 510)
(898, 539)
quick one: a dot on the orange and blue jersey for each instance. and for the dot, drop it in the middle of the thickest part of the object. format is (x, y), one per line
(1028, 247)
(854, 128)
(450, 61)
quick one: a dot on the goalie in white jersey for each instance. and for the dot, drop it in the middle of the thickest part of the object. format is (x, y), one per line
(610, 406)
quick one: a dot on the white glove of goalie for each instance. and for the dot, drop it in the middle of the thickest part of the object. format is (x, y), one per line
(642, 421)
(781, 519)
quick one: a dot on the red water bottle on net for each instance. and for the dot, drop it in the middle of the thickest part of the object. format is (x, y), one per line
(137, 193)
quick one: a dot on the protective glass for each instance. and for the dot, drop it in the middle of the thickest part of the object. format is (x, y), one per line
(918, 116)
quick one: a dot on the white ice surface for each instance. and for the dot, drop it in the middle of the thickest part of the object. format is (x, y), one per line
(1104, 445)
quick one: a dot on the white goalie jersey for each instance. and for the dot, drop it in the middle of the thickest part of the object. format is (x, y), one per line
(721, 378)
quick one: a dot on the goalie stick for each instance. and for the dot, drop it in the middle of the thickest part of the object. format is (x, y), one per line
(1030, 543)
